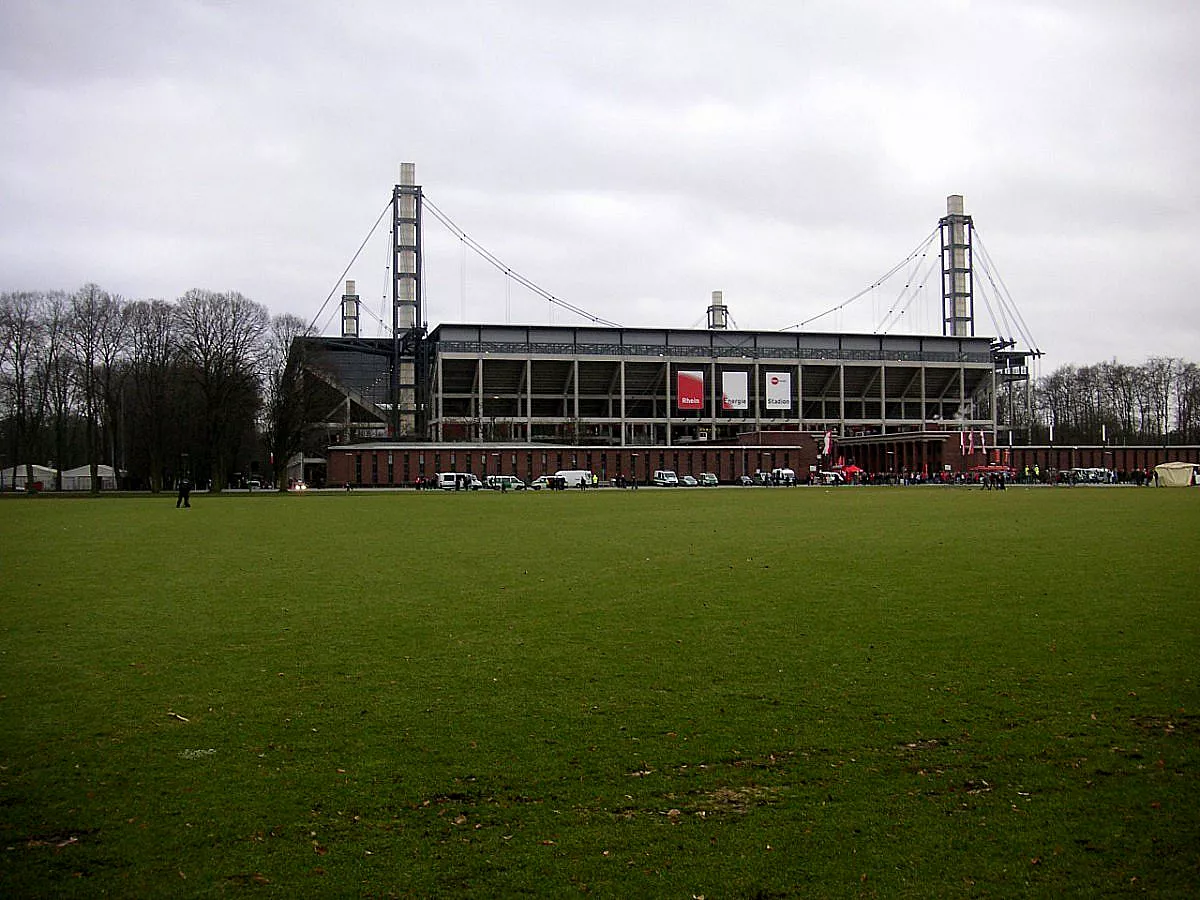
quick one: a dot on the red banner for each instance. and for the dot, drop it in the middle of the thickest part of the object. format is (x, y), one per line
(689, 390)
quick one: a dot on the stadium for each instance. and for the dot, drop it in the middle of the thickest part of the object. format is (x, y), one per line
(623, 402)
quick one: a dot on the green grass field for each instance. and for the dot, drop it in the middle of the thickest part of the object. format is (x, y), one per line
(723, 693)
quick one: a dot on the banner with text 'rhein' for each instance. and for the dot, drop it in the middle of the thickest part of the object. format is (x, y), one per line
(689, 390)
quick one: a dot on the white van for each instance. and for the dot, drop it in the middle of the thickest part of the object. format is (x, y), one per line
(504, 483)
(665, 478)
(449, 481)
(783, 476)
(575, 477)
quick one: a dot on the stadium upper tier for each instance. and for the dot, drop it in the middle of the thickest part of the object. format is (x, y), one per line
(643, 385)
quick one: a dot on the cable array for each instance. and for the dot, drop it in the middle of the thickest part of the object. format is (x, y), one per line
(1005, 315)
(1007, 307)
(340, 280)
(493, 260)
(880, 280)
(896, 312)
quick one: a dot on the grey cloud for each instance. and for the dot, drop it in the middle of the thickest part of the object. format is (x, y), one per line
(629, 157)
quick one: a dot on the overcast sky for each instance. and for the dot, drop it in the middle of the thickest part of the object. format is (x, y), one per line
(629, 157)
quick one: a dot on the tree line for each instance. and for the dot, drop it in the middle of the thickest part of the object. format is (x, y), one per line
(206, 386)
(1156, 402)
(212, 386)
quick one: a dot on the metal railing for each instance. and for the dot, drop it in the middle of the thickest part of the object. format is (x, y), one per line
(663, 351)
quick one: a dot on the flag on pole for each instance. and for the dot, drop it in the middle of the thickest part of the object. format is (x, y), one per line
(972, 444)
(827, 446)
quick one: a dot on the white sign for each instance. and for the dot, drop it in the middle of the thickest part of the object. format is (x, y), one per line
(779, 390)
(734, 391)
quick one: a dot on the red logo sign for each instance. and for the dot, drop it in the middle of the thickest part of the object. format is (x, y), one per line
(689, 392)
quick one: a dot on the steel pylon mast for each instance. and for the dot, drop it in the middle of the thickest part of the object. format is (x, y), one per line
(408, 330)
(958, 296)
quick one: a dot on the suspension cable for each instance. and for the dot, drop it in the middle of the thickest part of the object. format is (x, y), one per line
(887, 321)
(1006, 297)
(890, 272)
(917, 286)
(339, 282)
(497, 263)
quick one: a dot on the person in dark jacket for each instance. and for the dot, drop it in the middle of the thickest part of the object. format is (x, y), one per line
(185, 493)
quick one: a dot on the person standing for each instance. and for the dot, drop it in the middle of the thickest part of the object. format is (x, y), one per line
(185, 493)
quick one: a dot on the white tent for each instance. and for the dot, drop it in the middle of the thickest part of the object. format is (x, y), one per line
(80, 478)
(13, 478)
(1176, 474)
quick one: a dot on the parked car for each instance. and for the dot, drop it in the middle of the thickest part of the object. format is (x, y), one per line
(708, 479)
(665, 478)
(746, 481)
(688, 481)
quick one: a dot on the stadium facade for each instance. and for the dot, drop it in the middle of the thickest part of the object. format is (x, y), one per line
(526, 400)
(530, 400)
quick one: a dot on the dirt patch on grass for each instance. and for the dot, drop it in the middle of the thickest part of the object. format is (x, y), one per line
(922, 745)
(704, 804)
(57, 840)
(735, 800)
(1181, 724)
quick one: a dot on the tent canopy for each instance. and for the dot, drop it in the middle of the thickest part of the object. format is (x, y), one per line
(1176, 474)
(14, 477)
(102, 471)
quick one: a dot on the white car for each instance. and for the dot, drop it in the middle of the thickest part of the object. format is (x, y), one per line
(688, 481)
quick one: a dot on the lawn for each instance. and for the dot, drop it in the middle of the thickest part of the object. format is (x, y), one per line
(893, 692)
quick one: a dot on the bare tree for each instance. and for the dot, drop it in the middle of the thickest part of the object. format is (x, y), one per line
(287, 394)
(26, 352)
(95, 319)
(221, 338)
(59, 377)
(153, 376)
(1187, 403)
(111, 372)
(1119, 381)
